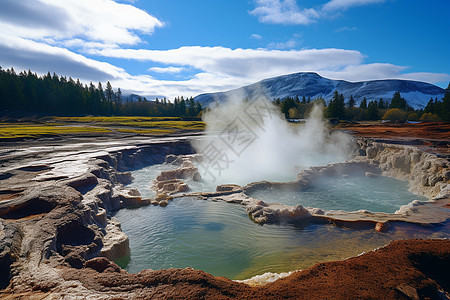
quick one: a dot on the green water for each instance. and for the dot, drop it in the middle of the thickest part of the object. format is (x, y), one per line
(220, 239)
(376, 194)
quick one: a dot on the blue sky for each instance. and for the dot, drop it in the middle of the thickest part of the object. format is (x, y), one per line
(173, 47)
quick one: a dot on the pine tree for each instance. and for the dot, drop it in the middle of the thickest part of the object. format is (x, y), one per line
(363, 103)
(444, 112)
(351, 102)
(372, 111)
(109, 92)
(119, 96)
(398, 102)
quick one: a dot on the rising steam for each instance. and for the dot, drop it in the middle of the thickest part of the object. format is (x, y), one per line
(247, 141)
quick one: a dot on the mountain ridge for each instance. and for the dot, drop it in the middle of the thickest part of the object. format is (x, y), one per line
(311, 84)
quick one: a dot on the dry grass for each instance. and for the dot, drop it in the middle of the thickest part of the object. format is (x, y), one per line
(50, 126)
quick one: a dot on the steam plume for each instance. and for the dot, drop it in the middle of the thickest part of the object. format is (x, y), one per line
(247, 141)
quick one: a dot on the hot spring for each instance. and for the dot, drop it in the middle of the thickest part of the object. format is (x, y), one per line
(219, 237)
(349, 193)
(198, 228)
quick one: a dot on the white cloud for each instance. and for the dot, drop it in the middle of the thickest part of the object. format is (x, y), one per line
(288, 12)
(169, 70)
(346, 28)
(344, 4)
(245, 64)
(426, 77)
(26, 54)
(51, 35)
(283, 12)
(292, 43)
(256, 36)
(378, 71)
(103, 21)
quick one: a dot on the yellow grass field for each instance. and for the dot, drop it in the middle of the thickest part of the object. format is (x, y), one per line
(60, 126)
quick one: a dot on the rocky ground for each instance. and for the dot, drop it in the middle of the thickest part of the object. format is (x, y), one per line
(57, 234)
(432, 137)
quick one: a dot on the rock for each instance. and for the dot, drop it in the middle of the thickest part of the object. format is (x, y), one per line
(172, 186)
(160, 197)
(408, 291)
(10, 242)
(146, 202)
(316, 211)
(75, 260)
(115, 242)
(228, 188)
(371, 175)
(124, 177)
(163, 203)
(371, 152)
(180, 173)
(101, 216)
(275, 213)
(102, 264)
(197, 177)
(134, 192)
(381, 227)
(170, 158)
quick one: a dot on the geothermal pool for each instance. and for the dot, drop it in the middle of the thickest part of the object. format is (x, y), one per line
(350, 193)
(219, 237)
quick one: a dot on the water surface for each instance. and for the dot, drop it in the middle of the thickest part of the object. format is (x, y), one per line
(376, 194)
(219, 238)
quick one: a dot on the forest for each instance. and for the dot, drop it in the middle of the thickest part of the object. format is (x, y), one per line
(395, 109)
(27, 92)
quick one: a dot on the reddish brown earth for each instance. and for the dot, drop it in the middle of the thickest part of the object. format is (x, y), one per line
(430, 137)
(435, 131)
(408, 269)
(405, 269)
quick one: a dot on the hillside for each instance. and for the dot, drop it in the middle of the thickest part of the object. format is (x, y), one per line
(313, 85)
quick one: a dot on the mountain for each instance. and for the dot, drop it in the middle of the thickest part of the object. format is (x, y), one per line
(416, 93)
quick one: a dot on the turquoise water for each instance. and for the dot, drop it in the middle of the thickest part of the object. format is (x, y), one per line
(376, 194)
(219, 238)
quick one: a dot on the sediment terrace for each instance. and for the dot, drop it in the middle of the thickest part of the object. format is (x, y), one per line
(57, 232)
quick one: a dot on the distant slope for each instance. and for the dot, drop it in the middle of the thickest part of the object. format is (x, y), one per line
(313, 85)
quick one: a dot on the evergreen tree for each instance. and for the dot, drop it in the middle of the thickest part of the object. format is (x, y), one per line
(119, 96)
(199, 108)
(351, 102)
(192, 108)
(182, 107)
(109, 92)
(430, 108)
(398, 102)
(372, 111)
(444, 111)
(363, 103)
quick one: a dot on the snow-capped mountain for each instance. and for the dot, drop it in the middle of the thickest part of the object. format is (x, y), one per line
(312, 85)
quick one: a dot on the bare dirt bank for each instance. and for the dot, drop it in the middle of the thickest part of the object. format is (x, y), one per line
(412, 269)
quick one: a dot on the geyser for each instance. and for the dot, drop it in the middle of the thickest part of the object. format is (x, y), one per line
(247, 141)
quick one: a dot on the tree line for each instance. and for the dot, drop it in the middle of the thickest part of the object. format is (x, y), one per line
(59, 95)
(396, 108)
